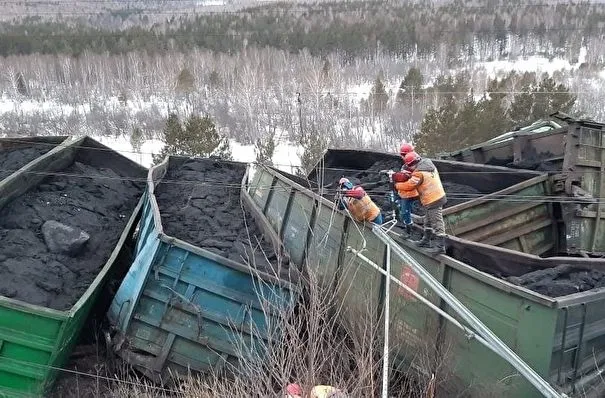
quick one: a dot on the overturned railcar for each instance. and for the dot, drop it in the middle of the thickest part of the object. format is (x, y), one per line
(573, 155)
(195, 298)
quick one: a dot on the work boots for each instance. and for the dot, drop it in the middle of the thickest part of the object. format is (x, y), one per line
(407, 231)
(426, 239)
(437, 245)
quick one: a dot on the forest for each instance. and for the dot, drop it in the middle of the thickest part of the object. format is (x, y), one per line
(355, 74)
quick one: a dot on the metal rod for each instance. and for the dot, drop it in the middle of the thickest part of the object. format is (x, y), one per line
(469, 333)
(387, 317)
(495, 344)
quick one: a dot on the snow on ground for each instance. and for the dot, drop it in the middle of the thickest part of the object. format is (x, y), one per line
(285, 157)
(534, 63)
(122, 144)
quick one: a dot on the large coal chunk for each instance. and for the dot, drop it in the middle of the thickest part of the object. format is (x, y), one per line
(61, 238)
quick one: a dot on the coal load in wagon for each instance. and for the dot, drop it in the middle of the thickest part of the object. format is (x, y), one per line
(58, 236)
(550, 276)
(561, 280)
(199, 203)
(12, 159)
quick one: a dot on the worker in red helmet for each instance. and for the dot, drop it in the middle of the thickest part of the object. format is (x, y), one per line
(358, 202)
(425, 179)
(405, 149)
(406, 198)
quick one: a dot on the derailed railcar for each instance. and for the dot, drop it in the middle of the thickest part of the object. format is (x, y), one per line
(573, 155)
(37, 339)
(539, 145)
(560, 337)
(182, 307)
(508, 208)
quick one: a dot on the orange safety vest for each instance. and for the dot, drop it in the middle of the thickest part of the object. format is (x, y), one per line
(362, 209)
(430, 188)
(411, 194)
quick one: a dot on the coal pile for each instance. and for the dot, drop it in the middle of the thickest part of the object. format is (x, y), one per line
(13, 159)
(560, 281)
(57, 237)
(377, 185)
(200, 204)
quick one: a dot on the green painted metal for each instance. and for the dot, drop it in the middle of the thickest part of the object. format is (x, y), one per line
(558, 337)
(541, 141)
(575, 153)
(500, 217)
(584, 175)
(36, 341)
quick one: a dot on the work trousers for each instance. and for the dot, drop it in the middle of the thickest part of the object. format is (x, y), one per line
(378, 220)
(434, 219)
(405, 207)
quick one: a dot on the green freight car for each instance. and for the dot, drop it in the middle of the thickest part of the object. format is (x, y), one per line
(36, 340)
(562, 338)
(573, 154)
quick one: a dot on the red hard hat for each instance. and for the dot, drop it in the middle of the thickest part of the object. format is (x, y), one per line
(411, 159)
(405, 149)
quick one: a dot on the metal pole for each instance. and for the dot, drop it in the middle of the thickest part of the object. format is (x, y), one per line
(387, 317)
(494, 342)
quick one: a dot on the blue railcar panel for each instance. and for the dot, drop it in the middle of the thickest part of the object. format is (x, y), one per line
(182, 309)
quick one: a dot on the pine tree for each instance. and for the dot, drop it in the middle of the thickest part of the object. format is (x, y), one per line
(438, 131)
(199, 138)
(214, 79)
(314, 145)
(21, 84)
(265, 148)
(185, 82)
(453, 126)
(378, 96)
(136, 139)
(411, 84)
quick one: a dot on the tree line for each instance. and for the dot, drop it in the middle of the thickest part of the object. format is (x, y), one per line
(353, 29)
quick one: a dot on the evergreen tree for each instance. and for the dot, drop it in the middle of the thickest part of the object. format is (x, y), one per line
(214, 79)
(21, 84)
(136, 139)
(411, 84)
(185, 82)
(314, 145)
(438, 131)
(378, 96)
(539, 101)
(453, 126)
(199, 138)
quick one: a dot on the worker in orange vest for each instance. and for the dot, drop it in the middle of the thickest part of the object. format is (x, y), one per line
(406, 198)
(358, 202)
(424, 178)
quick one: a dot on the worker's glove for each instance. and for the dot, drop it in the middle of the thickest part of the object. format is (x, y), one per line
(356, 193)
(402, 176)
